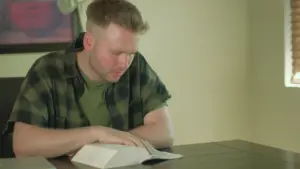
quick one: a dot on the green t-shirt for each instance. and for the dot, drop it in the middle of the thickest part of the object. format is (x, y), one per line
(93, 102)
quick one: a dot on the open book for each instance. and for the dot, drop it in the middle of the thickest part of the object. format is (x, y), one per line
(113, 155)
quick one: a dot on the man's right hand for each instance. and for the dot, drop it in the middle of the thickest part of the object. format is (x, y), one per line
(113, 136)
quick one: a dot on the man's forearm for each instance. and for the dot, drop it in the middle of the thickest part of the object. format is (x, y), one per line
(158, 135)
(35, 141)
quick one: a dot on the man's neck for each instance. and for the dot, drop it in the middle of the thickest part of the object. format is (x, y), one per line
(84, 65)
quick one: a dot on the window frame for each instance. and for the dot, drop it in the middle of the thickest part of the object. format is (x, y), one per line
(288, 61)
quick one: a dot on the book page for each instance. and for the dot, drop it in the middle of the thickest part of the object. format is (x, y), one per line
(155, 154)
(165, 155)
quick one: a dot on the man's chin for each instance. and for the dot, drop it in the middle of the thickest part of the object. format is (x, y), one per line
(113, 79)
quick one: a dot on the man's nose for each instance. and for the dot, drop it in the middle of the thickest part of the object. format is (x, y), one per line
(123, 60)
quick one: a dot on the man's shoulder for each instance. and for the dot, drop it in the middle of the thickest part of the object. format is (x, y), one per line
(141, 68)
(139, 63)
(51, 64)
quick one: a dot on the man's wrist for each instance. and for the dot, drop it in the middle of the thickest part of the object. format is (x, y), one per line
(92, 133)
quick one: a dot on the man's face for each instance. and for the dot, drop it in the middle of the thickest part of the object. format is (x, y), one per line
(111, 52)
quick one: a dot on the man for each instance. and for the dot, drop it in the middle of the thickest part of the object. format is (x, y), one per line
(101, 89)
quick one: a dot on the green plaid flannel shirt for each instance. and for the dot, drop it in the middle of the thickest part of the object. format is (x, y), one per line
(49, 95)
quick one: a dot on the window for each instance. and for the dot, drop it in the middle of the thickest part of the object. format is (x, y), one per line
(292, 43)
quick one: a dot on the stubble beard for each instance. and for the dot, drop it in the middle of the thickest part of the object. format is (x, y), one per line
(98, 75)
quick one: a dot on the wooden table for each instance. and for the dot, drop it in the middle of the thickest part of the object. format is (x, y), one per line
(236, 154)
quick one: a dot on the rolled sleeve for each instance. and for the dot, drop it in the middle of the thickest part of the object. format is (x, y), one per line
(154, 96)
(32, 102)
(29, 111)
(154, 92)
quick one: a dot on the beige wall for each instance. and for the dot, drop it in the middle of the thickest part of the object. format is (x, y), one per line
(200, 50)
(275, 108)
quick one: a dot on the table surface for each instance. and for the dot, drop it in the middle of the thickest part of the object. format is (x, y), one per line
(235, 154)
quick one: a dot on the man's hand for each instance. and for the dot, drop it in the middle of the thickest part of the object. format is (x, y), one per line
(113, 136)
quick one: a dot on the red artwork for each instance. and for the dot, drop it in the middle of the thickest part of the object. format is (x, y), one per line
(33, 22)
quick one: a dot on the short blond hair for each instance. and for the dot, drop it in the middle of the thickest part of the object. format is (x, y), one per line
(120, 12)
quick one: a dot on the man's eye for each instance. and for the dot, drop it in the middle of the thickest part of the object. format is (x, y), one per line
(115, 53)
(131, 54)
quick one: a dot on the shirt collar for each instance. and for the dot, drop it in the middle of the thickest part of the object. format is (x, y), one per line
(71, 67)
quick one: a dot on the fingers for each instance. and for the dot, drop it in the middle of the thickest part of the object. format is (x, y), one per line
(122, 141)
(137, 142)
(120, 137)
(128, 142)
(131, 140)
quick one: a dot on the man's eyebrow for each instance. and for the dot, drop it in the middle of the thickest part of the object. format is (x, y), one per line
(133, 53)
(120, 51)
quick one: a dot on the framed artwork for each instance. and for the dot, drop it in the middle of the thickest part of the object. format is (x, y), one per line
(34, 26)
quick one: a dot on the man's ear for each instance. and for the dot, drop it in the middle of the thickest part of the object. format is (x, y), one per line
(88, 41)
